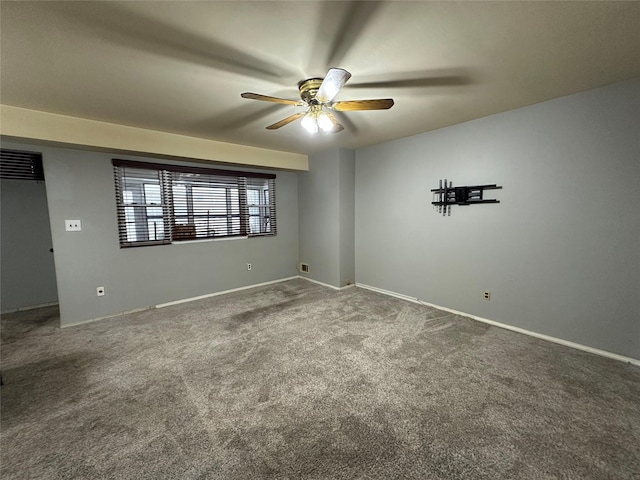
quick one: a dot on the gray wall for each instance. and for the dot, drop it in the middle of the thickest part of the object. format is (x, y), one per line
(80, 186)
(326, 207)
(560, 253)
(28, 275)
(347, 208)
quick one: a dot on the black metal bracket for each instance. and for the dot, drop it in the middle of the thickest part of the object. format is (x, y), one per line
(448, 195)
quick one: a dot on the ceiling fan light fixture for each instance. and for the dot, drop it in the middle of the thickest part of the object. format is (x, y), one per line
(324, 122)
(310, 123)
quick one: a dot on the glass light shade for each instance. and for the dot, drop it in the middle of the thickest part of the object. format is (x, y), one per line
(325, 122)
(309, 123)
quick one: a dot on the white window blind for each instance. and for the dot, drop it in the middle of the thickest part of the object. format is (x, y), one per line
(160, 204)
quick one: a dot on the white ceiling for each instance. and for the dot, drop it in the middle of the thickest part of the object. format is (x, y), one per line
(180, 67)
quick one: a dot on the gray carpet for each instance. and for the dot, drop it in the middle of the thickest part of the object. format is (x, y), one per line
(295, 380)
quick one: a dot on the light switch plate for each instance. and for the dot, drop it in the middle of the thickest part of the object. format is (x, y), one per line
(72, 225)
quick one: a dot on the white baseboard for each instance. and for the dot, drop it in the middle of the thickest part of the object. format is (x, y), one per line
(566, 343)
(30, 307)
(208, 295)
(388, 292)
(177, 302)
(326, 284)
(119, 314)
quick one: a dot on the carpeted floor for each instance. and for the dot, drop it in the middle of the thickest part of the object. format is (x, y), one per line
(294, 380)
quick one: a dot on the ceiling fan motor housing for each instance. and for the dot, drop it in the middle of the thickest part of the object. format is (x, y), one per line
(308, 90)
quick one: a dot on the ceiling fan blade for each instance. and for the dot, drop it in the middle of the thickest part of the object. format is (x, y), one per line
(337, 127)
(266, 98)
(286, 121)
(351, 105)
(332, 83)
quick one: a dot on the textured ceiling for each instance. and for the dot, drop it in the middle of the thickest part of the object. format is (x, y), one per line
(180, 67)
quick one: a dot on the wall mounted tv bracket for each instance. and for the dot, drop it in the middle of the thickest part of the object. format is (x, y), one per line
(448, 195)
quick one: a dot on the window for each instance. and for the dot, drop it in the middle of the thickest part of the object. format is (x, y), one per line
(160, 204)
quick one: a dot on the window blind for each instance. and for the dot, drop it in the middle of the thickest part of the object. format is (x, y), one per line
(143, 210)
(159, 204)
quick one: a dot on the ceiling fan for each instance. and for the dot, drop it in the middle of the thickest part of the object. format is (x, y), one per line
(317, 96)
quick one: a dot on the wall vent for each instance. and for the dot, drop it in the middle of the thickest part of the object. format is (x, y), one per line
(17, 165)
(304, 267)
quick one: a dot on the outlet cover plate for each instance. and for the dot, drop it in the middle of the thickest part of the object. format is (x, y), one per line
(72, 225)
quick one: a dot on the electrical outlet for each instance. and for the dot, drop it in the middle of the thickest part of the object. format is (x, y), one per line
(248, 266)
(72, 225)
(487, 295)
(100, 291)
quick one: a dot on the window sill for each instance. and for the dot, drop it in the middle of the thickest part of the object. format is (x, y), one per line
(205, 240)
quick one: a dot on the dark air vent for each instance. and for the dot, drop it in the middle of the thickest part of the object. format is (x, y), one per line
(17, 165)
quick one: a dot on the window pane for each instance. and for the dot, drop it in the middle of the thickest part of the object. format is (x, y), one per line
(152, 194)
(143, 186)
(234, 199)
(140, 205)
(235, 225)
(254, 225)
(259, 208)
(154, 212)
(210, 204)
(179, 201)
(253, 197)
(208, 227)
(156, 229)
(130, 224)
(209, 201)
